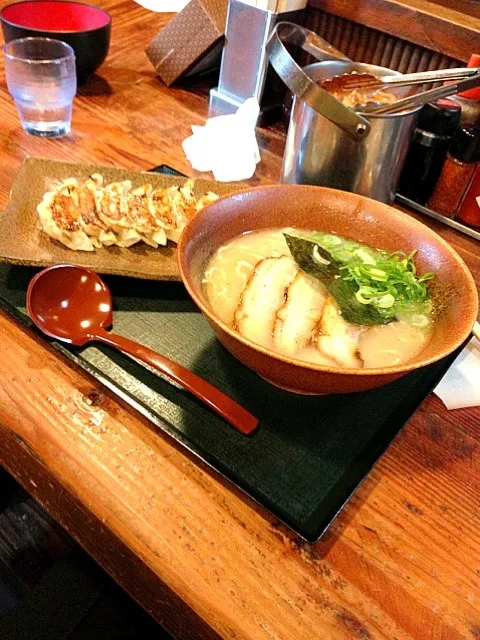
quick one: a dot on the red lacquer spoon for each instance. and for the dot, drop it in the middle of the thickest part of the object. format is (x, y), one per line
(73, 304)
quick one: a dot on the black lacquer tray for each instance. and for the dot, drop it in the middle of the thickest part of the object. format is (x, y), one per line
(308, 455)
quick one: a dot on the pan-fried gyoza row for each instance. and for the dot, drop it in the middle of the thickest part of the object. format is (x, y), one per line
(86, 215)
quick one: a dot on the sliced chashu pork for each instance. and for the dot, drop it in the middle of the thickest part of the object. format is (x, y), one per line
(338, 339)
(262, 297)
(297, 319)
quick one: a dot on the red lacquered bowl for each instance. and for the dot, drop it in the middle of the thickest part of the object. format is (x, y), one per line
(85, 28)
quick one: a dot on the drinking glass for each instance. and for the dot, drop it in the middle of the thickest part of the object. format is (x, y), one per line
(42, 80)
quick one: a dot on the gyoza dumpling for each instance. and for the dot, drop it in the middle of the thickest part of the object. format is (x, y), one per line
(90, 214)
(184, 206)
(177, 205)
(161, 209)
(145, 223)
(112, 207)
(92, 225)
(206, 199)
(60, 219)
(84, 197)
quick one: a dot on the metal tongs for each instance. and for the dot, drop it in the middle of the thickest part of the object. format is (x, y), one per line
(371, 83)
(419, 99)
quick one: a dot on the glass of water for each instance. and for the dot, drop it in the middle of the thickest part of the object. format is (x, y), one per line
(42, 80)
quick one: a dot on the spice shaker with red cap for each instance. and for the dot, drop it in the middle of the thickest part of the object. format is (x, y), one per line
(470, 100)
(460, 164)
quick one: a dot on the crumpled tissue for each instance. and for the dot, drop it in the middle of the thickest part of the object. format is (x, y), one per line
(163, 6)
(460, 386)
(226, 145)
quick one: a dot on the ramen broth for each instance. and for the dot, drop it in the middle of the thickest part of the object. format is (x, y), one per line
(253, 285)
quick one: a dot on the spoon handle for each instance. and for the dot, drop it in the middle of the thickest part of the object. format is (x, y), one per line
(234, 413)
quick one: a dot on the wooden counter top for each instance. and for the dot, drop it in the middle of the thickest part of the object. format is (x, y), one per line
(451, 27)
(402, 560)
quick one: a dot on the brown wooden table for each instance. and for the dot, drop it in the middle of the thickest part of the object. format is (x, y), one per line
(402, 561)
(450, 27)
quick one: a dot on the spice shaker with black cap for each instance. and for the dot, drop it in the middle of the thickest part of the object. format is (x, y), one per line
(437, 123)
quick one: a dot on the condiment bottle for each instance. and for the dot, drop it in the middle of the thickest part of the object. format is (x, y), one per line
(457, 170)
(469, 211)
(470, 100)
(436, 125)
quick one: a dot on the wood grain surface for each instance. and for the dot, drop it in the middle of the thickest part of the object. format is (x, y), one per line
(402, 561)
(449, 27)
(364, 44)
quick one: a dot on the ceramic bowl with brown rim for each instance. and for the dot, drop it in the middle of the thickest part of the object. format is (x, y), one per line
(369, 222)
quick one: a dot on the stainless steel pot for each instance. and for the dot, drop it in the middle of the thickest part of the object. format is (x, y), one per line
(321, 151)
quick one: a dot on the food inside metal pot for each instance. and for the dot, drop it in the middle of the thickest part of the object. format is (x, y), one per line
(348, 89)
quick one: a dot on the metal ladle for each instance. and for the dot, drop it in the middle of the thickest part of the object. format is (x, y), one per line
(74, 305)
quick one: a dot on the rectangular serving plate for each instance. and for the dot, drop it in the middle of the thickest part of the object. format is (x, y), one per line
(22, 242)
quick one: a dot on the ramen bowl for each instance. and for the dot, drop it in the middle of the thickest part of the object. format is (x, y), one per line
(454, 294)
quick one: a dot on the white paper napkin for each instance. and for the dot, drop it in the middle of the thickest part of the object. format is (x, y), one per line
(460, 386)
(226, 145)
(163, 6)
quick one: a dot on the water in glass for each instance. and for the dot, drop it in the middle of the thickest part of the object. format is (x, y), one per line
(42, 81)
(45, 109)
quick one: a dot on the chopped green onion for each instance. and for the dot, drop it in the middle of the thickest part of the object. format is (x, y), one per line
(318, 258)
(365, 295)
(331, 241)
(365, 256)
(386, 301)
(378, 274)
(387, 281)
